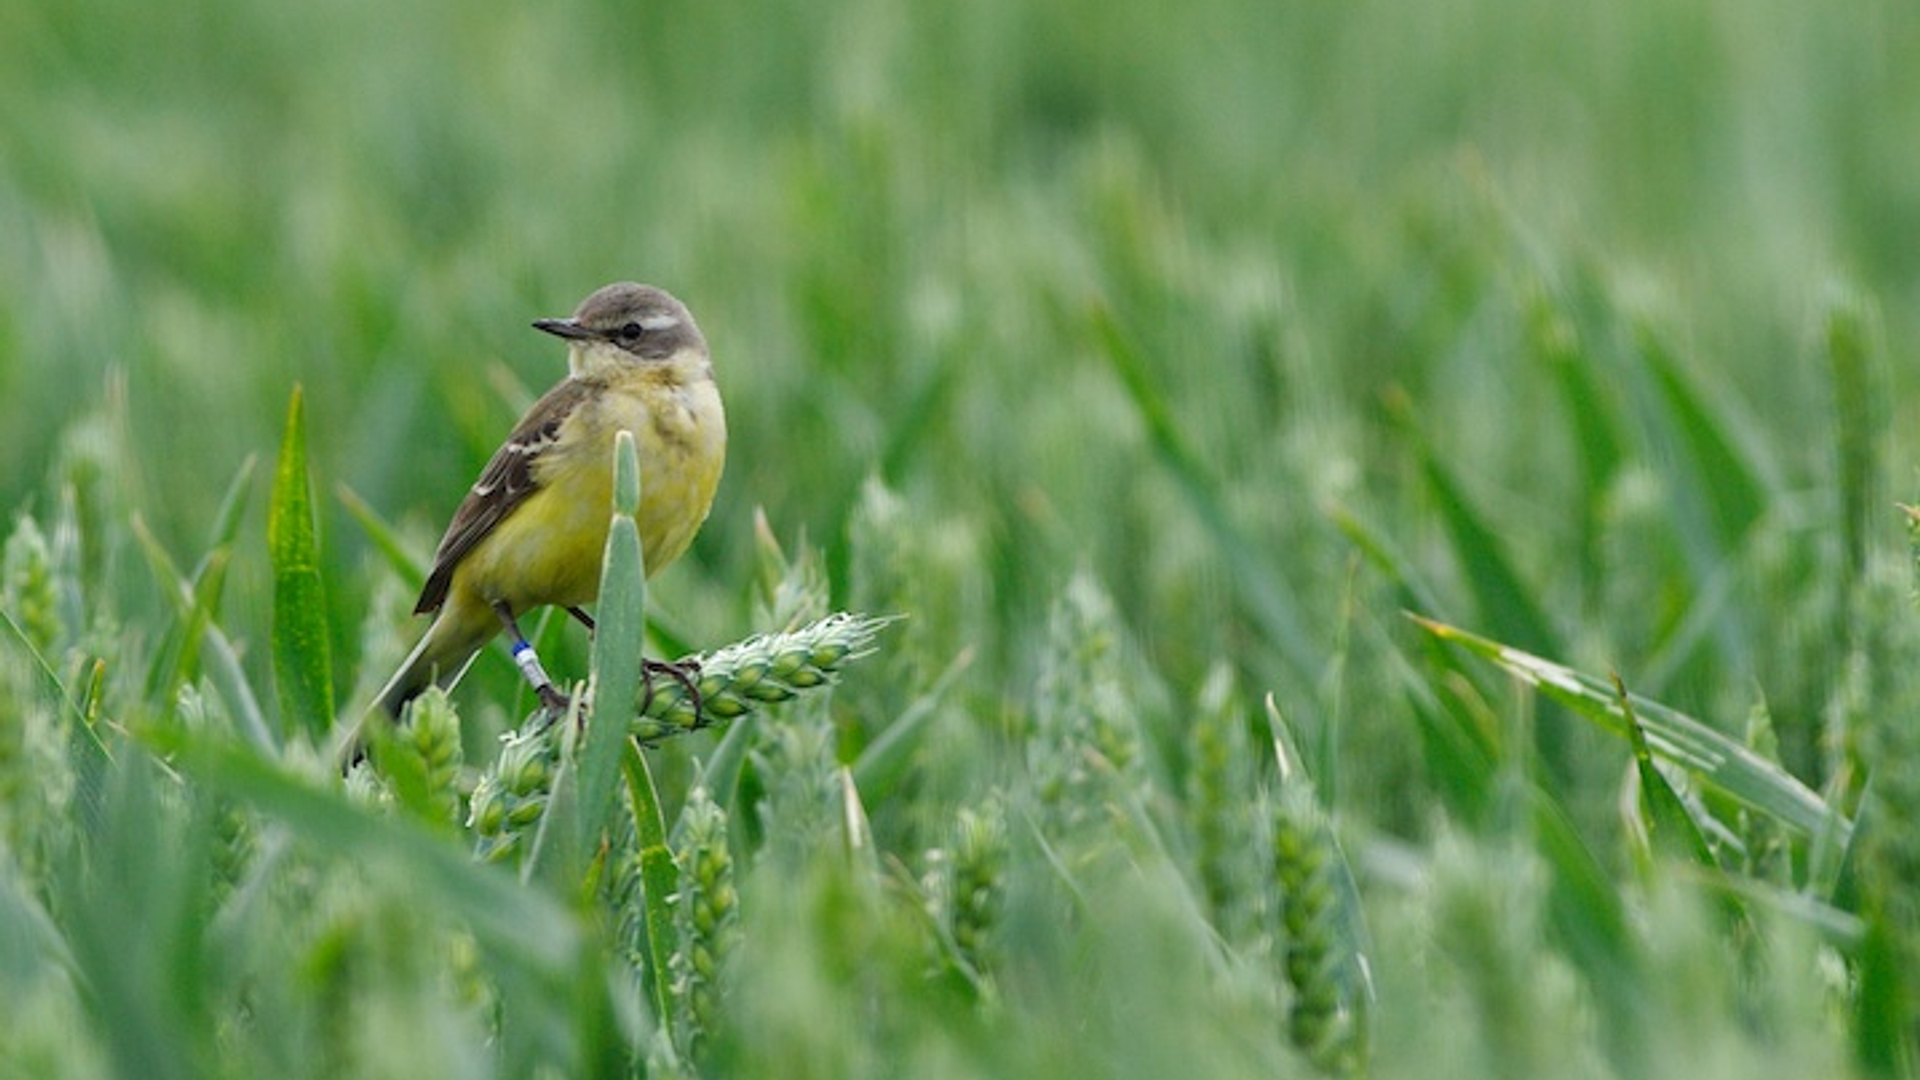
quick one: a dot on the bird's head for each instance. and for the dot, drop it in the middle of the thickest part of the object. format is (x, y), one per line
(628, 323)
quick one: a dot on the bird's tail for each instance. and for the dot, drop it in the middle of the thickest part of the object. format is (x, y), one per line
(442, 656)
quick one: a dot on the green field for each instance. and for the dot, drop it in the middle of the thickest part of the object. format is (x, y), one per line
(1288, 433)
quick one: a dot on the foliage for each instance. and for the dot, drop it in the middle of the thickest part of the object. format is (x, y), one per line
(1151, 364)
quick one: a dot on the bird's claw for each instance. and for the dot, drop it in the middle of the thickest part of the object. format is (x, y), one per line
(685, 672)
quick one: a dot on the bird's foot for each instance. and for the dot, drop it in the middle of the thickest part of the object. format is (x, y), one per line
(552, 700)
(685, 672)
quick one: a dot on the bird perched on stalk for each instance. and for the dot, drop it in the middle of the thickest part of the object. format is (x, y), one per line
(532, 531)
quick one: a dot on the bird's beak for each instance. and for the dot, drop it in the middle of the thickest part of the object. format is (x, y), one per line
(566, 328)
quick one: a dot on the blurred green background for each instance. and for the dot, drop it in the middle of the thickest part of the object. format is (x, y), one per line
(895, 222)
(1585, 326)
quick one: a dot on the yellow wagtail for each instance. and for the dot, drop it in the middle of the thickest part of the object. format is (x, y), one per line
(533, 529)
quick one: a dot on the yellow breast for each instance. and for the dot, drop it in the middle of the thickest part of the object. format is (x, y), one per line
(549, 550)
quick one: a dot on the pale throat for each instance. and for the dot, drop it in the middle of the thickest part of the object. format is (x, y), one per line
(600, 360)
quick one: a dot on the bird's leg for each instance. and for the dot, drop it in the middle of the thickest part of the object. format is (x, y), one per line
(529, 663)
(686, 673)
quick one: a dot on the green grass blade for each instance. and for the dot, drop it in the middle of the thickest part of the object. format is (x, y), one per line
(209, 580)
(521, 925)
(1503, 598)
(221, 665)
(219, 660)
(1670, 824)
(1726, 482)
(721, 772)
(399, 555)
(659, 877)
(883, 761)
(1719, 762)
(302, 649)
(209, 574)
(1882, 1003)
(1673, 826)
(617, 641)
(1718, 495)
(1598, 433)
(88, 751)
(1269, 599)
(1380, 552)
(30, 940)
(1589, 918)
(232, 511)
(1463, 754)
(1860, 422)
(194, 601)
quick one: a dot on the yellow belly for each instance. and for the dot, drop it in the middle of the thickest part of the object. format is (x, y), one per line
(550, 549)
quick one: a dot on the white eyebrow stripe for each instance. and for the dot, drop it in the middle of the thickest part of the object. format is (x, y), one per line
(659, 322)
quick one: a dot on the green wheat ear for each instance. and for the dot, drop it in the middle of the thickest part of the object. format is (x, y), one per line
(27, 590)
(430, 739)
(761, 670)
(977, 885)
(1317, 1019)
(733, 681)
(706, 915)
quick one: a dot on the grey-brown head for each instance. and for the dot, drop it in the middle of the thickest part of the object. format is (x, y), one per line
(639, 321)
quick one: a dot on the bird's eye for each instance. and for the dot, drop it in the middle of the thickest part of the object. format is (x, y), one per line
(630, 332)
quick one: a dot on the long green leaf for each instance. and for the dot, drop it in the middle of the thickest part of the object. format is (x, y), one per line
(232, 511)
(221, 665)
(194, 601)
(659, 877)
(883, 761)
(302, 650)
(1670, 824)
(1596, 430)
(617, 640)
(1717, 761)
(1589, 917)
(1462, 754)
(219, 661)
(399, 555)
(1500, 594)
(1727, 481)
(1718, 495)
(1860, 397)
(1598, 433)
(1380, 552)
(1883, 1002)
(1268, 598)
(513, 920)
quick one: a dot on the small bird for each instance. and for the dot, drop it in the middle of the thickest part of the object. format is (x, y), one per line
(533, 529)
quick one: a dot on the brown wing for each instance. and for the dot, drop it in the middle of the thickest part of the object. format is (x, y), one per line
(503, 485)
